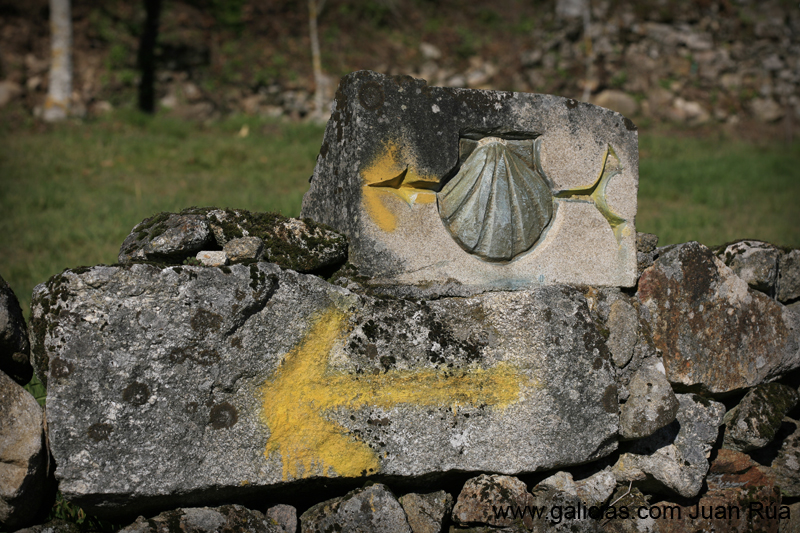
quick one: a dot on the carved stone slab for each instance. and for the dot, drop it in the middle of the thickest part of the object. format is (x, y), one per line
(487, 189)
(198, 385)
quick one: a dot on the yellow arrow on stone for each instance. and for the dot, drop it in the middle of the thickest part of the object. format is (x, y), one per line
(597, 192)
(303, 388)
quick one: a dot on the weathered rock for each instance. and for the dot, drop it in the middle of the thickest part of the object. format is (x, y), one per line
(752, 424)
(244, 248)
(789, 276)
(558, 507)
(791, 524)
(368, 510)
(627, 332)
(651, 405)
(756, 262)
(53, 526)
(741, 496)
(621, 516)
(392, 142)
(714, 332)
(688, 111)
(284, 516)
(166, 237)
(597, 488)
(617, 101)
(646, 242)
(786, 465)
(212, 258)
(592, 491)
(187, 382)
(427, 512)
(623, 325)
(675, 458)
(766, 109)
(643, 262)
(300, 245)
(205, 520)
(560, 481)
(482, 497)
(24, 460)
(14, 346)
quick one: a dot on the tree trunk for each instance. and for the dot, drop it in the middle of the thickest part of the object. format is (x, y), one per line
(56, 107)
(314, 8)
(147, 56)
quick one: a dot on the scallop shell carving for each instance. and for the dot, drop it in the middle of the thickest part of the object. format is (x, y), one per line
(496, 207)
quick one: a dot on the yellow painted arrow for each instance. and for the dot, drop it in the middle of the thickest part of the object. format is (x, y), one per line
(391, 175)
(296, 398)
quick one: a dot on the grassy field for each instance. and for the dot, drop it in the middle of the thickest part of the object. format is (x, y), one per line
(70, 194)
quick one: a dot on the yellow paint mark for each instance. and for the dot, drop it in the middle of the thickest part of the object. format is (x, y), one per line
(597, 193)
(303, 388)
(375, 201)
(391, 175)
(386, 165)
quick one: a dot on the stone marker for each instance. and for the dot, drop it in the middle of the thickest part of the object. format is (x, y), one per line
(179, 384)
(486, 189)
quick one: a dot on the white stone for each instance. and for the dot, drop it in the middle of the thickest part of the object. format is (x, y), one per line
(216, 258)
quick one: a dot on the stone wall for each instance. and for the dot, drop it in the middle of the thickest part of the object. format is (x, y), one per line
(688, 62)
(487, 345)
(145, 415)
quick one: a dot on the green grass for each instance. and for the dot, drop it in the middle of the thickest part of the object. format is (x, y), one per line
(717, 190)
(69, 194)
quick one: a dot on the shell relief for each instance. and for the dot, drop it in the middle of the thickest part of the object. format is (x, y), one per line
(497, 205)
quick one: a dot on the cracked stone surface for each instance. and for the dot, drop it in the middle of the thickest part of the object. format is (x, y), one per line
(651, 405)
(756, 262)
(370, 510)
(715, 333)
(206, 520)
(427, 512)
(187, 384)
(753, 423)
(675, 458)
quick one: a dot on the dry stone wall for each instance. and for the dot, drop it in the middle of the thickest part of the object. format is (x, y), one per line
(281, 379)
(181, 422)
